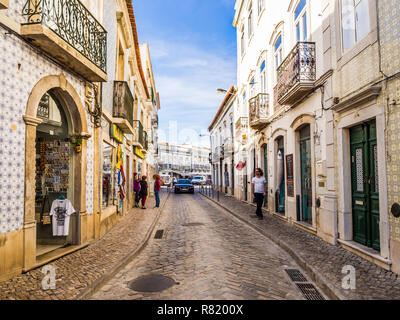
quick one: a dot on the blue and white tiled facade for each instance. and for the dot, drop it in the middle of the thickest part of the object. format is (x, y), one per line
(21, 67)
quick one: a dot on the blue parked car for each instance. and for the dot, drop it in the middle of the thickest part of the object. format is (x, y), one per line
(184, 185)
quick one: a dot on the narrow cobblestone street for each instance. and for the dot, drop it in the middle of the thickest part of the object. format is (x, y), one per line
(221, 258)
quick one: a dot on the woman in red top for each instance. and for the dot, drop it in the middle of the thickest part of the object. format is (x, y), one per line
(157, 188)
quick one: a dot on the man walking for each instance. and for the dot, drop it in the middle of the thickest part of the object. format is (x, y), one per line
(157, 188)
(259, 190)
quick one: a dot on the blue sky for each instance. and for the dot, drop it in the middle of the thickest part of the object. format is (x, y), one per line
(193, 51)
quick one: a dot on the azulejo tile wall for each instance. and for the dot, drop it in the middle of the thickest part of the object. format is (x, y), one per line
(21, 67)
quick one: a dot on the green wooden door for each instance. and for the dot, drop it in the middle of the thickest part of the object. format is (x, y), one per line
(365, 195)
(265, 149)
(306, 180)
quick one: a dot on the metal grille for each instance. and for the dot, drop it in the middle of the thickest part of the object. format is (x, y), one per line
(359, 170)
(295, 275)
(309, 291)
(159, 234)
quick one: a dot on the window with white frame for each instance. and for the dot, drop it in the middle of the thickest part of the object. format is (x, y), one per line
(278, 54)
(252, 88)
(260, 6)
(300, 21)
(250, 20)
(355, 21)
(263, 78)
(242, 44)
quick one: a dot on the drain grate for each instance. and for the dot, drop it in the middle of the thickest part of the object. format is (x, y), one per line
(193, 224)
(159, 234)
(295, 275)
(151, 283)
(309, 291)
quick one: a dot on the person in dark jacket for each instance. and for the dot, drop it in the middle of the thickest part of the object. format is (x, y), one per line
(143, 191)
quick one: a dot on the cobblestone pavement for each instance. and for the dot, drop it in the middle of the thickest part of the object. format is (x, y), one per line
(325, 260)
(81, 269)
(221, 259)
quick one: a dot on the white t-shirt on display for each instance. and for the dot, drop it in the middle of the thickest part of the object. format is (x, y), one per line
(61, 211)
(259, 184)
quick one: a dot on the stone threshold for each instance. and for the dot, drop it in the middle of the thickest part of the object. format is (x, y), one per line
(367, 253)
(305, 226)
(54, 255)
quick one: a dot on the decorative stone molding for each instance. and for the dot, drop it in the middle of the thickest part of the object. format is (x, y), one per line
(368, 94)
(31, 121)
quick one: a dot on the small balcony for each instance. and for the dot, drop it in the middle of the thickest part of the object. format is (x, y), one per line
(259, 110)
(4, 4)
(145, 141)
(228, 146)
(123, 106)
(67, 31)
(138, 134)
(296, 75)
(218, 154)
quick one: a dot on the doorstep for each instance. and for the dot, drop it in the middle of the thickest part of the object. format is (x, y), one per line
(367, 253)
(54, 255)
(306, 227)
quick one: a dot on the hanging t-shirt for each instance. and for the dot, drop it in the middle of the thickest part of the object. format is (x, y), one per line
(61, 211)
(259, 184)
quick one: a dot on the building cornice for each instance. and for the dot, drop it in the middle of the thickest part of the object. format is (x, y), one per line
(366, 95)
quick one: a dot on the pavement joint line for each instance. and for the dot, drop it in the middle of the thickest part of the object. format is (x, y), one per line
(96, 285)
(316, 276)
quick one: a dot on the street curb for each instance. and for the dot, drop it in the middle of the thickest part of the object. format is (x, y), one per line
(93, 288)
(315, 275)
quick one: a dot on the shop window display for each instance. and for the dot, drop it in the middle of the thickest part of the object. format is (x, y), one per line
(54, 176)
(108, 175)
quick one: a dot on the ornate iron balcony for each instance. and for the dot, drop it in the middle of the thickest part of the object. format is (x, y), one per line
(146, 141)
(296, 74)
(259, 110)
(123, 103)
(72, 22)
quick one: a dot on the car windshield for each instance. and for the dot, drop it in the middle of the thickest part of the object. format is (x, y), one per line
(183, 181)
(197, 178)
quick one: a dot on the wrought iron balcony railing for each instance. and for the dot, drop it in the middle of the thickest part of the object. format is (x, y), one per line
(72, 22)
(146, 141)
(228, 146)
(138, 133)
(296, 75)
(123, 102)
(259, 110)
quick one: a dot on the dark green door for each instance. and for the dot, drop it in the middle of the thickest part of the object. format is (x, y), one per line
(306, 181)
(364, 176)
(265, 149)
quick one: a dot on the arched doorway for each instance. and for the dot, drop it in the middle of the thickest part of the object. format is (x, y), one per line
(56, 221)
(53, 115)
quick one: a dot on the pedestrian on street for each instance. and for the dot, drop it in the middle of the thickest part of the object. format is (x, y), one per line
(136, 189)
(259, 190)
(157, 188)
(143, 191)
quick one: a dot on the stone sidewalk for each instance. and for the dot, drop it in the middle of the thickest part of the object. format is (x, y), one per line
(81, 272)
(322, 261)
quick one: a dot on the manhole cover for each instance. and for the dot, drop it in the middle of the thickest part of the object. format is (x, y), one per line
(193, 224)
(159, 234)
(151, 283)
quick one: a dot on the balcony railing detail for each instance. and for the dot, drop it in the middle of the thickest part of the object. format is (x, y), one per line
(297, 70)
(71, 21)
(228, 146)
(259, 107)
(138, 133)
(123, 101)
(146, 141)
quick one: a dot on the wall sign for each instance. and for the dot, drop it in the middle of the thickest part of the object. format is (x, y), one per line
(139, 153)
(289, 175)
(116, 133)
